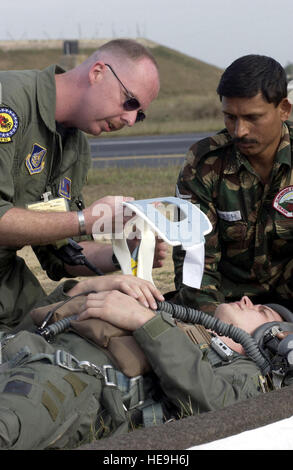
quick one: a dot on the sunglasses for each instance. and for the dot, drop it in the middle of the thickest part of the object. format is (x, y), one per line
(131, 104)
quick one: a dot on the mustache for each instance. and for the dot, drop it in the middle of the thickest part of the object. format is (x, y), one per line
(243, 140)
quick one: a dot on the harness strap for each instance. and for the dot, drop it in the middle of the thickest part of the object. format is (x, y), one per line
(152, 413)
(20, 358)
(131, 388)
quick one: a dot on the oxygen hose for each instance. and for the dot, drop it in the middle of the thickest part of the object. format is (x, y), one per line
(55, 328)
(189, 315)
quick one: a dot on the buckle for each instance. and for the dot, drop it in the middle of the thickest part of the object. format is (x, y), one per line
(109, 379)
(91, 369)
(67, 361)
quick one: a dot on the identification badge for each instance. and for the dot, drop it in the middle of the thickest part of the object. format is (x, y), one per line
(283, 202)
(35, 161)
(8, 124)
(58, 204)
(231, 216)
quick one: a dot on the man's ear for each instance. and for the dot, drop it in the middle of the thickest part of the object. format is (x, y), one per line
(285, 109)
(96, 72)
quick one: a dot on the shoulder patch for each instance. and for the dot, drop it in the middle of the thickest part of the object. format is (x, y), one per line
(35, 161)
(283, 202)
(8, 124)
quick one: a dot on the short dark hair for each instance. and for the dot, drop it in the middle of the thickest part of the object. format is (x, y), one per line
(251, 74)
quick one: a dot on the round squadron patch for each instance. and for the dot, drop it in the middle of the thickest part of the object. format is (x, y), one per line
(8, 124)
(283, 201)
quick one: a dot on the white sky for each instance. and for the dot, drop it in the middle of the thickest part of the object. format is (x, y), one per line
(215, 31)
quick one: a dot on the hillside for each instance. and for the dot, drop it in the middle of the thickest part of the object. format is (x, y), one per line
(187, 101)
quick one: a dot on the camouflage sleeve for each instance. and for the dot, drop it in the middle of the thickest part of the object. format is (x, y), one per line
(197, 182)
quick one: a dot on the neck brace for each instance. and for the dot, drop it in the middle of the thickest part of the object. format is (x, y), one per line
(176, 221)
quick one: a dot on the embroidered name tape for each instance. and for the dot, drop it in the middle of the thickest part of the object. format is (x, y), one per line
(231, 216)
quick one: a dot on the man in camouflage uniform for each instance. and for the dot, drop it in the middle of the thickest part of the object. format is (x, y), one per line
(50, 399)
(242, 178)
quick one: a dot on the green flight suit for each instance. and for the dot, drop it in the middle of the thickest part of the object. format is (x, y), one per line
(45, 405)
(250, 249)
(36, 156)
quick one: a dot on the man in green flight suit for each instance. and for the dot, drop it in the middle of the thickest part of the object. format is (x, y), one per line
(71, 389)
(242, 178)
(45, 154)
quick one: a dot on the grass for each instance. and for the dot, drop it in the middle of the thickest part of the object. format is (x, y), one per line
(151, 127)
(140, 183)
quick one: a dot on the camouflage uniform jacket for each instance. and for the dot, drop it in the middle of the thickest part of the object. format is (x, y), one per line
(250, 249)
(35, 158)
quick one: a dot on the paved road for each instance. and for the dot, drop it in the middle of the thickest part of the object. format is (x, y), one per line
(142, 151)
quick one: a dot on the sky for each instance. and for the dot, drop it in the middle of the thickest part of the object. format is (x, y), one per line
(215, 31)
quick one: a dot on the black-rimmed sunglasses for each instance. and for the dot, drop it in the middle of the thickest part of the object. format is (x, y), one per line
(131, 104)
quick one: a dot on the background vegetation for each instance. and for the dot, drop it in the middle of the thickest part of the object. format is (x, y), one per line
(187, 101)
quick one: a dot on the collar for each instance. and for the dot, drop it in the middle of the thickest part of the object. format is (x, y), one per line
(46, 95)
(283, 154)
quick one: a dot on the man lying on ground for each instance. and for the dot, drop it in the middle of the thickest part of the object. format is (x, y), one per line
(121, 364)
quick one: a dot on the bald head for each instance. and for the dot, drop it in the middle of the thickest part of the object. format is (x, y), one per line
(93, 95)
(122, 49)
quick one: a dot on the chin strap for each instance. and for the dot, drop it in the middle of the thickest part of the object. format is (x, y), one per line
(140, 262)
(176, 221)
